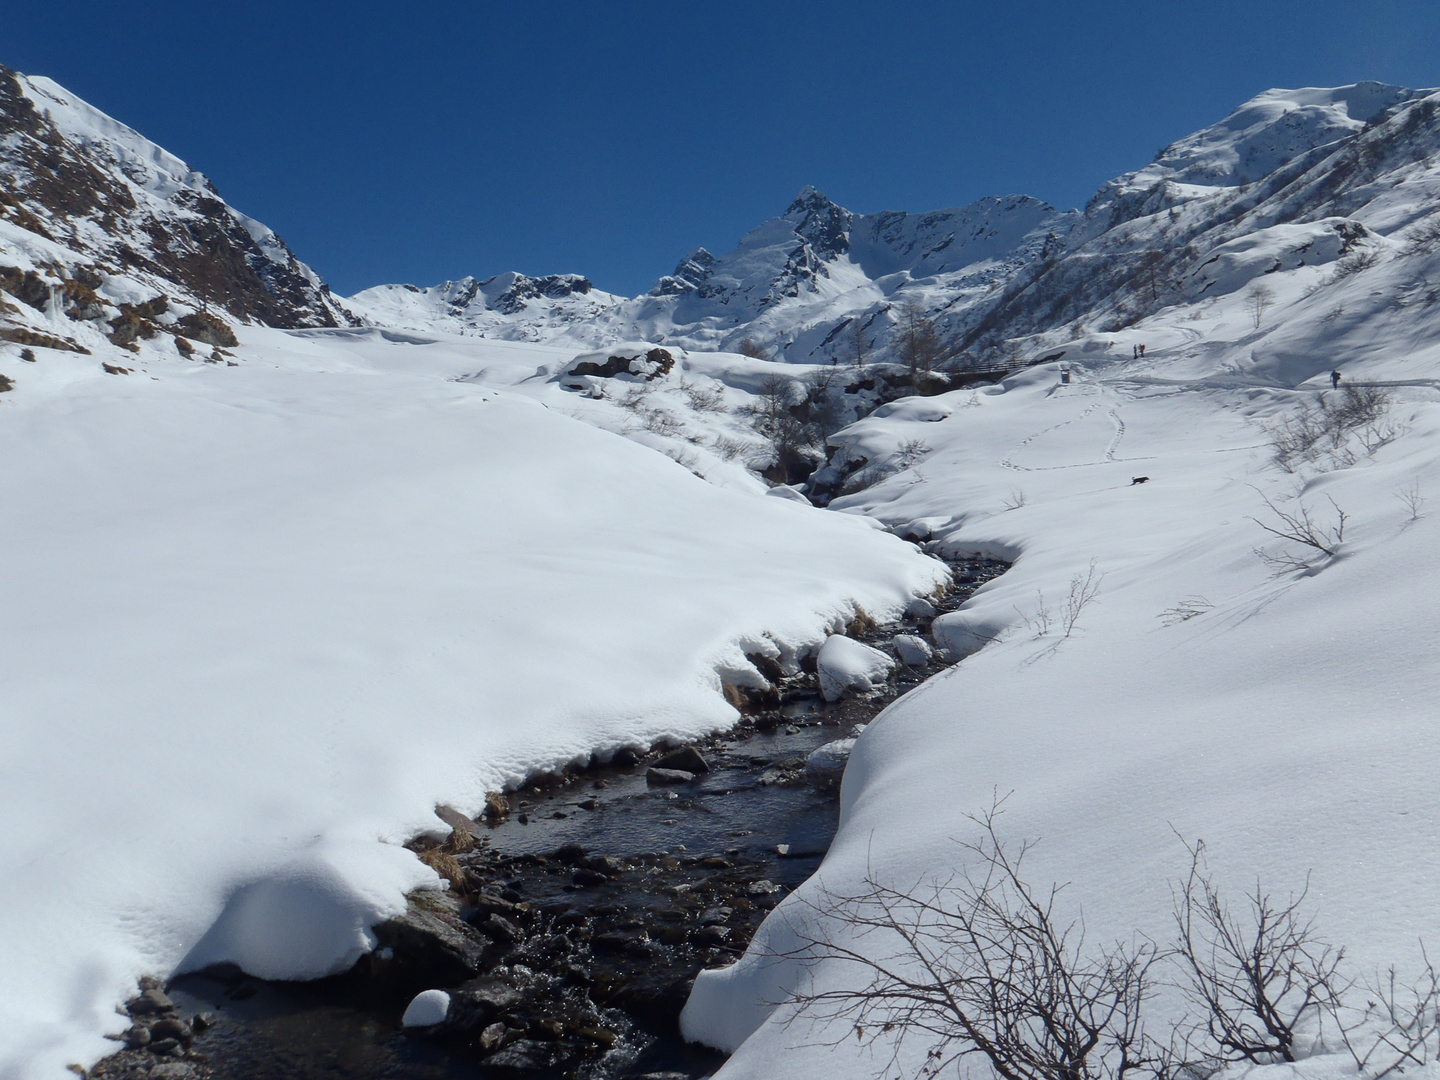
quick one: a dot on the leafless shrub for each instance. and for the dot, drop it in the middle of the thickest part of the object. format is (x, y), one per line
(661, 422)
(752, 348)
(729, 448)
(1189, 608)
(1424, 237)
(1041, 620)
(979, 965)
(1015, 500)
(1301, 526)
(1256, 977)
(636, 398)
(702, 399)
(1408, 1018)
(684, 458)
(911, 451)
(1412, 500)
(1083, 592)
(1323, 427)
(1354, 263)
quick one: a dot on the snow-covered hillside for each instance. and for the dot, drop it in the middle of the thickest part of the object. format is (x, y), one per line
(260, 617)
(1270, 698)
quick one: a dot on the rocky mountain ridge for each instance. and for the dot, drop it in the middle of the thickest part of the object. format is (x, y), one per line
(123, 239)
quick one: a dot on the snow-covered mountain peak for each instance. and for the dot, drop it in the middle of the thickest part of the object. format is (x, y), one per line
(821, 222)
(1271, 130)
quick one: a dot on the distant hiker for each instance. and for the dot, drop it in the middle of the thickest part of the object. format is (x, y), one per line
(1134, 352)
(1142, 352)
(1335, 380)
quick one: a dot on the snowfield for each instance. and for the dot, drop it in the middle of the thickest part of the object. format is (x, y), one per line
(1283, 714)
(260, 619)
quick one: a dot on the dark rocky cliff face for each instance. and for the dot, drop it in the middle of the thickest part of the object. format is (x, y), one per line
(105, 207)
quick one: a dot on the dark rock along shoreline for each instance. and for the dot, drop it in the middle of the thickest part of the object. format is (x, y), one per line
(578, 916)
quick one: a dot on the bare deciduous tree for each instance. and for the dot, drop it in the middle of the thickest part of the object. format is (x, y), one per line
(920, 346)
(1258, 301)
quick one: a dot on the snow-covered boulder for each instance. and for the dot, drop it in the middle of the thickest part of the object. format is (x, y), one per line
(915, 652)
(428, 1009)
(847, 666)
(788, 493)
(640, 360)
(960, 633)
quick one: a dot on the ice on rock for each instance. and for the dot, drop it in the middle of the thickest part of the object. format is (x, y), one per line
(428, 1008)
(849, 666)
(826, 764)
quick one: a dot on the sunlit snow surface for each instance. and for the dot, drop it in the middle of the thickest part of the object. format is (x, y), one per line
(1291, 724)
(259, 620)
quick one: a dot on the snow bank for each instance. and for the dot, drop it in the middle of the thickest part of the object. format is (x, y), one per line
(259, 620)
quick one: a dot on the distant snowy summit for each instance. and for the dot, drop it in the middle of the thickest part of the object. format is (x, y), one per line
(820, 283)
(791, 285)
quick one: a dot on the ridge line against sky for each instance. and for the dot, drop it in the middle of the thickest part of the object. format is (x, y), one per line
(395, 146)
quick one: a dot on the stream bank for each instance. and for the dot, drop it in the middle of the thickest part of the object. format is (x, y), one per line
(577, 917)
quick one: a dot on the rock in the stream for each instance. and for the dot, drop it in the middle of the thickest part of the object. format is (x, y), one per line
(915, 652)
(428, 1009)
(657, 777)
(686, 759)
(431, 939)
(847, 666)
(826, 764)
(920, 608)
(151, 1002)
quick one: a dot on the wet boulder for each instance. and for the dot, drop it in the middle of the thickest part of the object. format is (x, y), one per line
(686, 759)
(826, 764)
(657, 777)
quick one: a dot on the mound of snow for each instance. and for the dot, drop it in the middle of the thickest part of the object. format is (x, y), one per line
(847, 666)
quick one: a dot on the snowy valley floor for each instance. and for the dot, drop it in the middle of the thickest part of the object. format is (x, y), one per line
(260, 619)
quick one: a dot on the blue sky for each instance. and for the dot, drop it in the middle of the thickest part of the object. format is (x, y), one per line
(396, 142)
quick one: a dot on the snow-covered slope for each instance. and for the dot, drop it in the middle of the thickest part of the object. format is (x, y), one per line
(1258, 694)
(260, 617)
